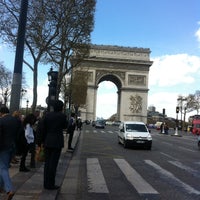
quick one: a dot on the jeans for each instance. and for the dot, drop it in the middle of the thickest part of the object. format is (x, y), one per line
(5, 158)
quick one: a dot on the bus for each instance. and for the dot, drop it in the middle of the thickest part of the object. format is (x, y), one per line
(196, 125)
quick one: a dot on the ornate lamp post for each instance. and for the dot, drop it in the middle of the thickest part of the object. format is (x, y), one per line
(6, 97)
(27, 106)
(52, 77)
(23, 92)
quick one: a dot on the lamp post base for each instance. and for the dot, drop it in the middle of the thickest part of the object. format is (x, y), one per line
(176, 133)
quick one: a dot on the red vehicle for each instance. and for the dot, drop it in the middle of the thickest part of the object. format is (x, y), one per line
(196, 125)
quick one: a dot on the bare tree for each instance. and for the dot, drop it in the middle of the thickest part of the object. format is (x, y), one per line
(56, 30)
(5, 83)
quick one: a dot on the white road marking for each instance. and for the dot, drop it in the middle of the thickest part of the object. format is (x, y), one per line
(168, 156)
(134, 178)
(96, 180)
(186, 149)
(186, 168)
(171, 176)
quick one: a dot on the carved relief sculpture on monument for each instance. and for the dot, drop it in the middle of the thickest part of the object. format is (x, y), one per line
(135, 104)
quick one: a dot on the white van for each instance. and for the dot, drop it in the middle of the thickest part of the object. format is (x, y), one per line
(136, 134)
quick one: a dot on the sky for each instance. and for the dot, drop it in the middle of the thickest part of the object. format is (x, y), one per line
(169, 28)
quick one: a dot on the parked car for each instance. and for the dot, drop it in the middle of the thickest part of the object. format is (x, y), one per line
(99, 124)
(134, 134)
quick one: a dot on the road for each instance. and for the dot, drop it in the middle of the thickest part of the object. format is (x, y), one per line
(102, 169)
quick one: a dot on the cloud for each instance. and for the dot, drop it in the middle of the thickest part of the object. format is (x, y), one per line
(170, 70)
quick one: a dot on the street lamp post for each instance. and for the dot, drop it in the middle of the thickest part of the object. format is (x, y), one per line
(27, 106)
(23, 92)
(52, 77)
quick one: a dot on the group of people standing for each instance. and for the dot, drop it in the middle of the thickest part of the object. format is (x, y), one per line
(20, 136)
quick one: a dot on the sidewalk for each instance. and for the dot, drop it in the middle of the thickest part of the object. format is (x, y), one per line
(29, 185)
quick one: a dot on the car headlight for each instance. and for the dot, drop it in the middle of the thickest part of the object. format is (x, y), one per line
(149, 137)
(128, 135)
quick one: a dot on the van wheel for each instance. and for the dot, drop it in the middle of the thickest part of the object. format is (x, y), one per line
(119, 140)
(125, 144)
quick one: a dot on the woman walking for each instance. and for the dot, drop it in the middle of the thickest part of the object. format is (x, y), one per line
(28, 142)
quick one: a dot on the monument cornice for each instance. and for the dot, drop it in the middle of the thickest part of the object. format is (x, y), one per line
(119, 53)
(121, 48)
(139, 65)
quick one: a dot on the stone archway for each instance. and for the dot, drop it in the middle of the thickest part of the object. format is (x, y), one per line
(105, 76)
(128, 69)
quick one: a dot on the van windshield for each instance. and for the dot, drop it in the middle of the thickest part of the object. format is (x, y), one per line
(135, 128)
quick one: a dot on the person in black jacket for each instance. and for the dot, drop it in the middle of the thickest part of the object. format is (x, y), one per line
(53, 141)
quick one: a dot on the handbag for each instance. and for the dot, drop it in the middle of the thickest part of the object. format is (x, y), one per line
(40, 155)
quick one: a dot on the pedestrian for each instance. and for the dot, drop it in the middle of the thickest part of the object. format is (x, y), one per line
(28, 143)
(79, 124)
(9, 127)
(166, 128)
(70, 130)
(53, 142)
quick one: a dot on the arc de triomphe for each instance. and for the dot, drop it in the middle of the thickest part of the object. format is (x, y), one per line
(128, 69)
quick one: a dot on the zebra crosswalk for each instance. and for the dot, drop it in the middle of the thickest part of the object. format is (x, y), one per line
(135, 178)
(97, 182)
(100, 131)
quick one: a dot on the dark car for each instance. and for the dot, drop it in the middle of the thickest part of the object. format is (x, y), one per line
(93, 123)
(99, 124)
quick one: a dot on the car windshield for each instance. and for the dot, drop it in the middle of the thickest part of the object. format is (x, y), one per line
(135, 128)
(100, 122)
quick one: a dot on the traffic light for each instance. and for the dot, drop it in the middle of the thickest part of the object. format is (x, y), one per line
(163, 111)
(177, 109)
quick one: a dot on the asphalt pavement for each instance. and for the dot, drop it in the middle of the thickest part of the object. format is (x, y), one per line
(29, 185)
